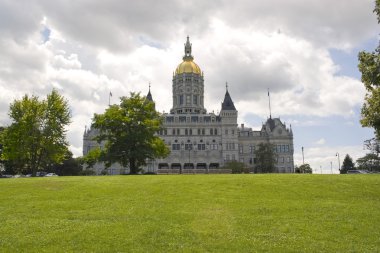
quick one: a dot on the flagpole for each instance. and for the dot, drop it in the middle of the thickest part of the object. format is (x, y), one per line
(270, 110)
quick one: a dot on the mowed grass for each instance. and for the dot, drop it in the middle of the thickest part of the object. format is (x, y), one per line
(191, 213)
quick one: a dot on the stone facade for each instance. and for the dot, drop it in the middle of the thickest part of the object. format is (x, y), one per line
(202, 142)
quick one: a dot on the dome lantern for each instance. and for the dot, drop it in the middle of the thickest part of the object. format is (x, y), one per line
(188, 65)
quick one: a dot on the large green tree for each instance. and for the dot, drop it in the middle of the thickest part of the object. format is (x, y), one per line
(265, 158)
(369, 66)
(36, 138)
(348, 164)
(130, 133)
(370, 162)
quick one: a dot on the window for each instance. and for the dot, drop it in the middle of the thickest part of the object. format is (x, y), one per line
(203, 132)
(215, 131)
(190, 131)
(188, 146)
(211, 131)
(288, 159)
(176, 147)
(287, 148)
(186, 132)
(226, 131)
(214, 146)
(181, 99)
(201, 146)
(251, 149)
(241, 149)
(232, 132)
(199, 131)
(195, 99)
(188, 99)
(178, 131)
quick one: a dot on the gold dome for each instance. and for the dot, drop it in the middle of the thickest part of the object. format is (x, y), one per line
(188, 66)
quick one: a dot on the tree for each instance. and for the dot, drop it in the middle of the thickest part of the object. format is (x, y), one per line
(370, 162)
(129, 131)
(36, 138)
(70, 166)
(236, 167)
(304, 168)
(347, 165)
(2, 167)
(266, 158)
(369, 66)
(92, 157)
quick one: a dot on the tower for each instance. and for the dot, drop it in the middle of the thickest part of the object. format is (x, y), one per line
(188, 86)
(228, 116)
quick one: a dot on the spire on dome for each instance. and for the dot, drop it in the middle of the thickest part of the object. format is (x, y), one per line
(228, 104)
(188, 45)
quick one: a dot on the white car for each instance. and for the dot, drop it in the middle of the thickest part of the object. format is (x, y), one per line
(51, 175)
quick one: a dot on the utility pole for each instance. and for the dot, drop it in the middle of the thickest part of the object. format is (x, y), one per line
(337, 154)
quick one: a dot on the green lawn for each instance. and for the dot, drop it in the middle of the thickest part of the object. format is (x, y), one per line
(191, 213)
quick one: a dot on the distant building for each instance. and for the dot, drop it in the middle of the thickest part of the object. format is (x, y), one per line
(202, 142)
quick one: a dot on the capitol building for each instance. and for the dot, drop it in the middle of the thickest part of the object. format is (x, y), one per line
(202, 142)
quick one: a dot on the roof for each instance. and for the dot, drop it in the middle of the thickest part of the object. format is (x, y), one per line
(228, 104)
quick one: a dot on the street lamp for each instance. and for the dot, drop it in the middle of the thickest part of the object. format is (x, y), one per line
(337, 154)
(331, 167)
(303, 158)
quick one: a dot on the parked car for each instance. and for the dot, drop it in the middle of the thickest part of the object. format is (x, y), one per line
(41, 173)
(357, 172)
(7, 176)
(51, 175)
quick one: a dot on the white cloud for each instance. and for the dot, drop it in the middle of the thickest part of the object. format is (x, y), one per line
(321, 141)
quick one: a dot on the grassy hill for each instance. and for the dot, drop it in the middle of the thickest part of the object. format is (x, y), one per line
(191, 213)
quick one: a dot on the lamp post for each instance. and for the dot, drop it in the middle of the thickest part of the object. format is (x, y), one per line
(123, 157)
(303, 158)
(321, 168)
(331, 167)
(337, 154)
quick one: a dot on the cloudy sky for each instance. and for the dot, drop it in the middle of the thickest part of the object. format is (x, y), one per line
(305, 52)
